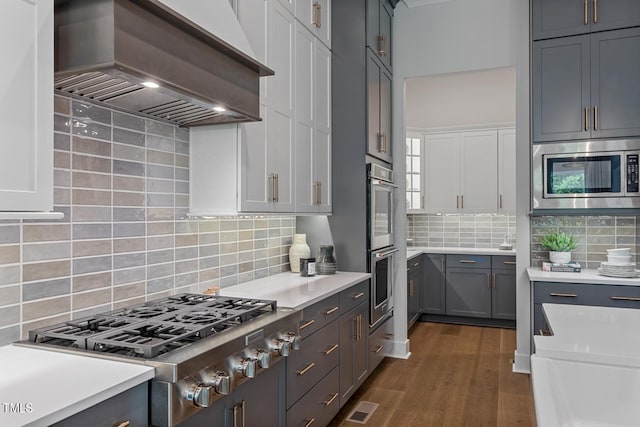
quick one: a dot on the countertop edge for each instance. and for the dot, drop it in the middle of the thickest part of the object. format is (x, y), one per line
(450, 251)
(586, 276)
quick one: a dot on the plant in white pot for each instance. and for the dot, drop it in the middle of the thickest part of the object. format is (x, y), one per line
(560, 245)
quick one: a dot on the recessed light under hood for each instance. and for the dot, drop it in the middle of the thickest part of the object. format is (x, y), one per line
(110, 50)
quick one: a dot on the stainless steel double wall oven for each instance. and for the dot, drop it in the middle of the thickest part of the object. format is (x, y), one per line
(380, 241)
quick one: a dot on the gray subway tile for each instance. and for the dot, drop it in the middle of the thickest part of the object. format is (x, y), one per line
(61, 123)
(92, 265)
(91, 180)
(45, 270)
(91, 146)
(91, 164)
(161, 256)
(89, 129)
(46, 289)
(129, 276)
(159, 285)
(128, 183)
(157, 171)
(128, 291)
(161, 200)
(128, 121)
(88, 282)
(160, 270)
(91, 231)
(133, 244)
(159, 128)
(9, 294)
(61, 104)
(129, 260)
(182, 148)
(90, 112)
(83, 248)
(124, 136)
(128, 152)
(160, 157)
(9, 315)
(46, 251)
(90, 299)
(61, 141)
(160, 185)
(131, 229)
(127, 198)
(182, 174)
(9, 274)
(123, 167)
(182, 134)
(9, 234)
(44, 308)
(128, 214)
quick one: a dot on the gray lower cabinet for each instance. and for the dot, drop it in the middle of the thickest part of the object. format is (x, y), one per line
(469, 292)
(130, 406)
(503, 289)
(414, 290)
(354, 347)
(380, 343)
(579, 294)
(433, 284)
(318, 406)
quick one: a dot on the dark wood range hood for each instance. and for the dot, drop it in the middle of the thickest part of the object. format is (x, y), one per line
(106, 50)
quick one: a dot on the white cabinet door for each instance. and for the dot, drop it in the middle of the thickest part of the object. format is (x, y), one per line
(507, 171)
(280, 107)
(442, 173)
(322, 126)
(479, 172)
(316, 16)
(26, 105)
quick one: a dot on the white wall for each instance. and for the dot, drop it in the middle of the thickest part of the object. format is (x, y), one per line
(457, 36)
(470, 99)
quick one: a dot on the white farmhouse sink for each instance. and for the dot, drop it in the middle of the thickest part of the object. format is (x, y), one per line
(580, 394)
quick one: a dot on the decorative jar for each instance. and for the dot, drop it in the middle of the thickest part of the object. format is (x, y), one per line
(299, 249)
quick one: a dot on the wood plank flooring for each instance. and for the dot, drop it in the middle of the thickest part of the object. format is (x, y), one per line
(456, 376)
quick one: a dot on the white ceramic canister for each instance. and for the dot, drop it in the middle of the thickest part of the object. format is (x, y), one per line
(299, 249)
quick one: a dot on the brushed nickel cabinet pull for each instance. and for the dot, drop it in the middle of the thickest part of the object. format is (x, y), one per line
(378, 349)
(307, 324)
(595, 117)
(467, 261)
(243, 405)
(421, 202)
(501, 201)
(126, 423)
(379, 138)
(625, 298)
(317, 15)
(382, 45)
(309, 422)
(595, 11)
(556, 294)
(457, 201)
(331, 349)
(319, 192)
(331, 399)
(462, 201)
(494, 280)
(358, 295)
(411, 287)
(271, 188)
(510, 262)
(586, 14)
(306, 369)
(488, 281)
(277, 198)
(331, 311)
(586, 118)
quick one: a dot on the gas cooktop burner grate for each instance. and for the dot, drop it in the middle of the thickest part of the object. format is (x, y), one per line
(156, 327)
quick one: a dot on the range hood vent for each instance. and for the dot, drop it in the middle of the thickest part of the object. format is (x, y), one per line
(111, 50)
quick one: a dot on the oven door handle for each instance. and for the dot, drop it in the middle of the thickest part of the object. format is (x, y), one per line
(385, 253)
(383, 183)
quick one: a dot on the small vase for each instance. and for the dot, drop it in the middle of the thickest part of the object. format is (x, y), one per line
(299, 249)
(326, 262)
(559, 257)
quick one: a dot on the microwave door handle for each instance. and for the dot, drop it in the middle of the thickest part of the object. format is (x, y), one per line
(384, 184)
(386, 253)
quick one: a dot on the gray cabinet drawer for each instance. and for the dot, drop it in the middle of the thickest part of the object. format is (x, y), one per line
(616, 296)
(503, 262)
(319, 314)
(380, 343)
(349, 298)
(319, 353)
(321, 404)
(563, 293)
(468, 261)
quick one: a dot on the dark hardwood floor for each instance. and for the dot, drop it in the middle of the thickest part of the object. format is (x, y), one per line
(456, 376)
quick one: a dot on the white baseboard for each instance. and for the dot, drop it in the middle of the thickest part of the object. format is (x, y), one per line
(521, 363)
(400, 350)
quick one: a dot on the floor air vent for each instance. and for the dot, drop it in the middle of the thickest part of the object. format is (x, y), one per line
(362, 412)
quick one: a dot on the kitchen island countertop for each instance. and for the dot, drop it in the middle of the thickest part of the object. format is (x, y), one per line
(49, 386)
(294, 291)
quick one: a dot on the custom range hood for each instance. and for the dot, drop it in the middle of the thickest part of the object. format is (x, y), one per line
(143, 56)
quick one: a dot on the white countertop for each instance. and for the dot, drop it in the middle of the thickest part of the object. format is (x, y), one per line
(58, 385)
(591, 334)
(471, 251)
(294, 291)
(585, 276)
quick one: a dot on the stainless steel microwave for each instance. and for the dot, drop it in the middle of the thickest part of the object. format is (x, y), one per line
(586, 175)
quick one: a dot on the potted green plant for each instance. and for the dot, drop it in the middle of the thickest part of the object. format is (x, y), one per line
(560, 245)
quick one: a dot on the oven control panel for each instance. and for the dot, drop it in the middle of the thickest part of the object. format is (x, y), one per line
(632, 173)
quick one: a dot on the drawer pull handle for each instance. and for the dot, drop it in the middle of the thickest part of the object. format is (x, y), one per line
(378, 349)
(557, 294)
(307, 324)
(306, 369)
(331, 350)
(467, 261)
(123, 424)
(625, 298)
(358, 295)
(510, 262)
(544, 332)
(331, 311)
(311, 421)
(331, 399)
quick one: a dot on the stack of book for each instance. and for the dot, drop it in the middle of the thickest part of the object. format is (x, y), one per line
(570, 267)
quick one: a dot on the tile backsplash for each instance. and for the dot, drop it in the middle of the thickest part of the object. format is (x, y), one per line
(593, 235)
(460, 231)
(122, 182)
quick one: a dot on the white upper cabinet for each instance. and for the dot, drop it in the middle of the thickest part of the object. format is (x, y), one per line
(507, 171)
(26, 107)
(461, 172)
(315, 15)
(282, 163)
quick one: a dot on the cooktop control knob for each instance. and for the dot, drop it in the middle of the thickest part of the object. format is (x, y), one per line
(247, 367)
(220, 381)
(281, 346)
(201, 395)
(262, 357)
(294, 339)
